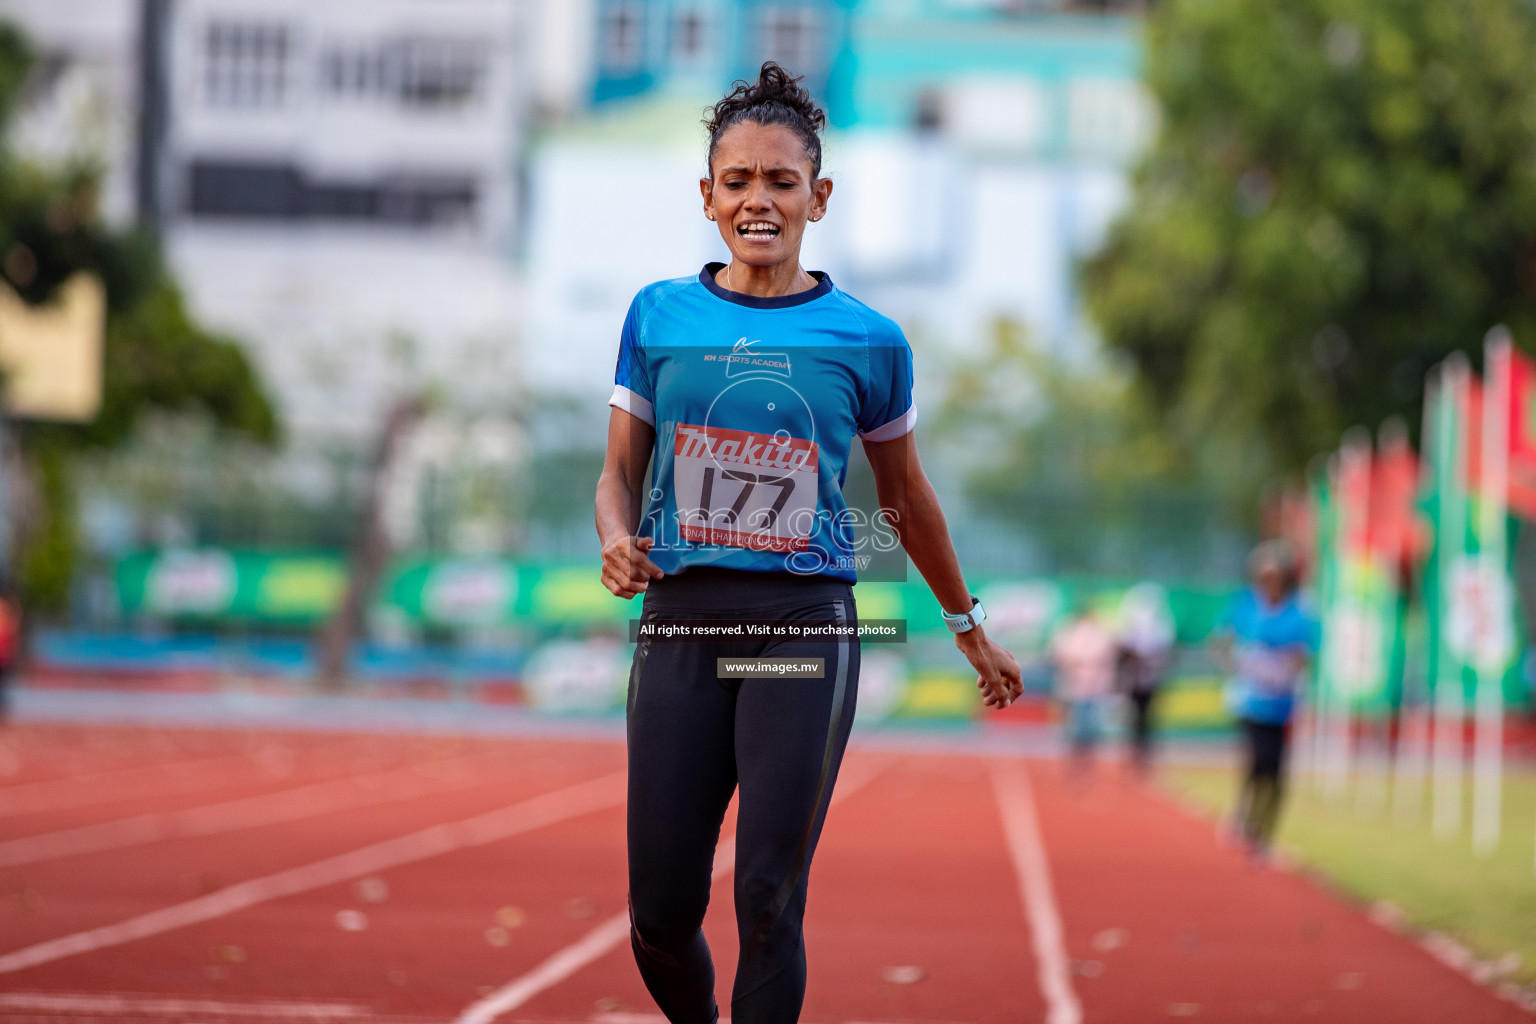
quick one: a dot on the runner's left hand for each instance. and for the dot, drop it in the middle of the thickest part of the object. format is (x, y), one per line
(998, 675)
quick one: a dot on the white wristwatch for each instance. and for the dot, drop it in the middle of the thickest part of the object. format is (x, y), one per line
(964, 622)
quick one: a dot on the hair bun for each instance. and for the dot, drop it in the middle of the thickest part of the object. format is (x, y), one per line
(776, 97)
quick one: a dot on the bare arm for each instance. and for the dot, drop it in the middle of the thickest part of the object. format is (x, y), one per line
(1222, 652)
(908, 499)
(627, 570)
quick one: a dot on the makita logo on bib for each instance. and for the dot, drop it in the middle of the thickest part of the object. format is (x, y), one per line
(738, 447)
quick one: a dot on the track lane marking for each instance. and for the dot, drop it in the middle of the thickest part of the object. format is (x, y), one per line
(626, 1017)
(604, 938)
(1021, 826)
(536, 812)
(171, 1006)
(103, 787)
(286, 805)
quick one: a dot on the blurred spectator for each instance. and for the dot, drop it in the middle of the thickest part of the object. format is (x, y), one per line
(1146, 648)
(10, 643)
(1085, 653)
(1265, 648)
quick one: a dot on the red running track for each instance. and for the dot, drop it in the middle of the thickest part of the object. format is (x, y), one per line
(354, 879)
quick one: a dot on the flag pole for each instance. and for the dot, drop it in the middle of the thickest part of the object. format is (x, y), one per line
(1330, 779)
(1353, 485)
(1448, 710)
(1488, 744)
(1314, 709)
(1411, 757)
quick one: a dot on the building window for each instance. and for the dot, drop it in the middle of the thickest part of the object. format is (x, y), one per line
(1108, 117)
(689, 32)
(790, 36)
(261, 191)
(440, 72)
(352, 71)
(414, 71)
(998, 113)
(623, 36)
(245, 64)
(276, 191)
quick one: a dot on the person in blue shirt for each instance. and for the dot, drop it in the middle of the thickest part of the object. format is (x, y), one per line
(1267, 648)
(741, 390)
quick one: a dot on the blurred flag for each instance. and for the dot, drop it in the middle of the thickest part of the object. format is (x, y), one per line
(1467, 578)
(1491, 595)
(1358, 577)
(1522, 435)
(1397, 532)
(1479, 434)
(1446, 504)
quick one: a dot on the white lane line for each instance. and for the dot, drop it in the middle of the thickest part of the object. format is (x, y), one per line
(1016, 805)
(625, 1017)
(583, 798)
(309, 801)
(602, 940)
(117, 1006)
(176, 778)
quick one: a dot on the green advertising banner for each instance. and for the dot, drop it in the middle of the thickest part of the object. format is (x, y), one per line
(297, 589)
(215, 584)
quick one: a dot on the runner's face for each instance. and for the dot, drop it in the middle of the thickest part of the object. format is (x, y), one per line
(763, 193)
(1271, 582)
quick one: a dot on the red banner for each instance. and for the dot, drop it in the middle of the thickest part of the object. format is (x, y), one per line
(1522, 436)
(1395, 529)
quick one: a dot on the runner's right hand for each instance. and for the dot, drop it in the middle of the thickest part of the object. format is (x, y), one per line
(997, 672)
(627, 570)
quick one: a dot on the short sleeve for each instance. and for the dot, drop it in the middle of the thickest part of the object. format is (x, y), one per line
(886, 411)
(1310, 631)
(632, 390)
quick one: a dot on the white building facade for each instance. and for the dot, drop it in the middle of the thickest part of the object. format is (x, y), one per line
(340, 187)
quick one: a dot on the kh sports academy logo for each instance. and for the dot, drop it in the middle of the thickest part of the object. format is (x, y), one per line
(743, 361)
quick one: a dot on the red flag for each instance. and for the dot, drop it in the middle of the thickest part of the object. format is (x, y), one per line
(1395, 529)
(1522, 436)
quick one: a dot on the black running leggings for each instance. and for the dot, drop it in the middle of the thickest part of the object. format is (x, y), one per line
(1264, 785)
(694, 739)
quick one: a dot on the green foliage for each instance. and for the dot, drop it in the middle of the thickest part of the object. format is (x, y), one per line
(1077, 460)
(1059, 425)
(16, 60)
(156, 357)
(45, 564)
(1342, 192)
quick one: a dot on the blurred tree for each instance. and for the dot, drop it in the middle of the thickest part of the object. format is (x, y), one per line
(155, 356)
(1342, 192)
(1079, 463)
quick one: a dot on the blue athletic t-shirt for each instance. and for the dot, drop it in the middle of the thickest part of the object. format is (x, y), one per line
(755, 402)
(1267, 640)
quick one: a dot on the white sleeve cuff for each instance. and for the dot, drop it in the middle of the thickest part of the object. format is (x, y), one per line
(625, 399)
(899, 426)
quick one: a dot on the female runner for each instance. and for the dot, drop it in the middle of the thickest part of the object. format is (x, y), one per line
(742, 388)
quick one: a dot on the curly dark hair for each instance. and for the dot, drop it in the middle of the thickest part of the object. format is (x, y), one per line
(775, 98)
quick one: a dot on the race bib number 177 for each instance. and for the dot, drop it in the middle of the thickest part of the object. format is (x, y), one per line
(744, 490)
